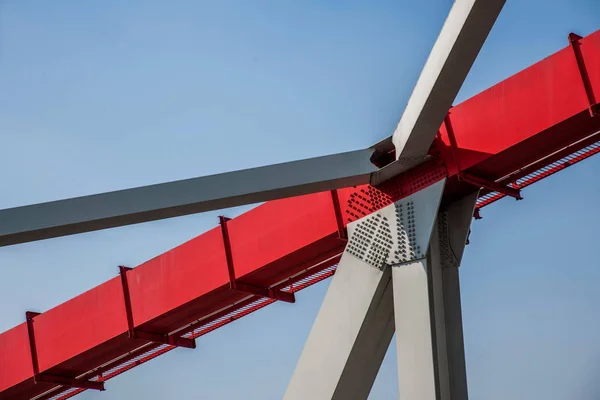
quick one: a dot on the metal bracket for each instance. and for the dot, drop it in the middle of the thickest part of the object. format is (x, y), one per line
(271, 293)
(134, 333)
(490, 185)
(70, 382)
(176, 341)
(53, 379)
(342, 233)
(237, 286)
(228, 254)
(574, 41)
(474, 179)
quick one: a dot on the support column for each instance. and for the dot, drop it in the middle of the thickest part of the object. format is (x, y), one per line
(355, 324)
(349, 337)
(428, 317)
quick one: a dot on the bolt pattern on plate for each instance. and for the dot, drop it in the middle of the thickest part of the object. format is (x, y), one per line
(387, 237)
(369, 199)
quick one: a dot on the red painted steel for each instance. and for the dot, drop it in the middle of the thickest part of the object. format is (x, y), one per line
(517, 132)
(15, 357)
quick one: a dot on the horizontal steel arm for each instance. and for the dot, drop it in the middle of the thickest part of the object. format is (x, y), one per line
(189, 196)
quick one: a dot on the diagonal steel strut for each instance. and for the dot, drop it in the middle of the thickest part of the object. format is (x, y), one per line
(173, 199)
(458, 44)
(195, 195)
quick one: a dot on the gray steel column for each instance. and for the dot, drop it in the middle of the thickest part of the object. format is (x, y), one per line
(354, 327)
(428, 317)
(350, 335)
(456, 225)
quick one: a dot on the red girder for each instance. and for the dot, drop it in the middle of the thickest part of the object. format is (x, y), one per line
(515, 133)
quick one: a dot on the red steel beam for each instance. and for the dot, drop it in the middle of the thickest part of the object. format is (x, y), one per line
(519, 125)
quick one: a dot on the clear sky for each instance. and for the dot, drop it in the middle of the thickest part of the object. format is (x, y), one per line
(105, 95)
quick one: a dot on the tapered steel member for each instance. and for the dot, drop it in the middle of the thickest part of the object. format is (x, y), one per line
(351, 333)
(429, 336)
(454, 52)
(355, 324)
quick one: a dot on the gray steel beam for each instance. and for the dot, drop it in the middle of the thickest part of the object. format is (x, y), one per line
(458, 44)
(415, 332)
(349, 337)
(173, 199)
(453, 231)
(431, 361)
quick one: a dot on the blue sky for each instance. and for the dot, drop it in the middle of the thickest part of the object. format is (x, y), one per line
(98, 96)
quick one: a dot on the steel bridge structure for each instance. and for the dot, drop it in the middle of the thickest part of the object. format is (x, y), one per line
(389, 223)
